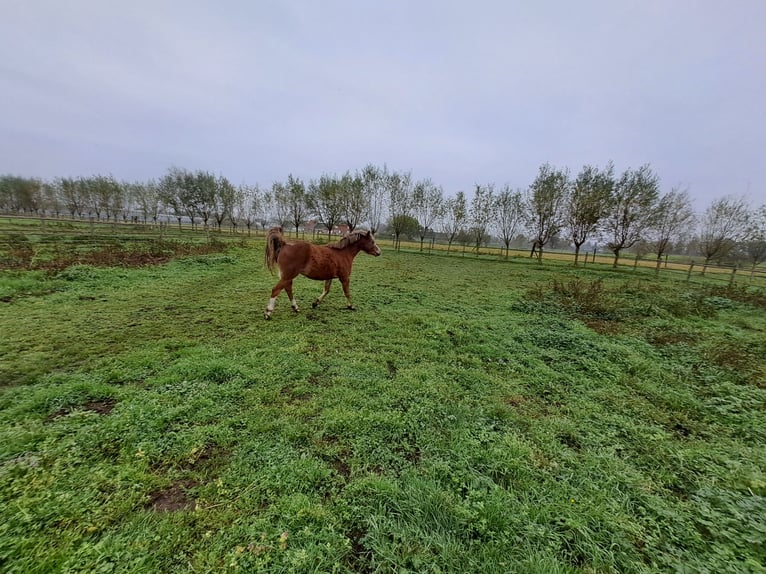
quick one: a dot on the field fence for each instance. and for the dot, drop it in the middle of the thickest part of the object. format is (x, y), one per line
(29, 236)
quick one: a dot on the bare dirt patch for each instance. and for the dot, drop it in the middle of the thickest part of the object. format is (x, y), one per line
(101, 406)
(174, 498)
(515, 400)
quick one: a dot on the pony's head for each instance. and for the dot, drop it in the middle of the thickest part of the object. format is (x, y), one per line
(367, 243)
(363, 240)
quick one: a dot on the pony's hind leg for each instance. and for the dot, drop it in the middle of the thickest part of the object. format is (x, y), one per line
(293, 302)
(272, 302)
(324, 293)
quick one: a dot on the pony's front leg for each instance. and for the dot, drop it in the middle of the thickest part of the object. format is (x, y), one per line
(324, 293)
(347, 293)
(287, 286)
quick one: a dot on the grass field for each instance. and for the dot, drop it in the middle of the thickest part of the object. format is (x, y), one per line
(470, 416)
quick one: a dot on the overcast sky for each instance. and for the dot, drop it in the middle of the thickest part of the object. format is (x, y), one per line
(461, 92)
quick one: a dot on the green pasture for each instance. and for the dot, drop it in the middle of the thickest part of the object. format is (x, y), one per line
(473, 415)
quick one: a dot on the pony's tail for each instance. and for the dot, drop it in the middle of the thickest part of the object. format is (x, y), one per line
(274, 242)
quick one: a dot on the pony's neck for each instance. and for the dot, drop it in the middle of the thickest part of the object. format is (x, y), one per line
(353, 249)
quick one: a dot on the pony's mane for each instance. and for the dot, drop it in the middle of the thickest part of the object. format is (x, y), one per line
(348, 239)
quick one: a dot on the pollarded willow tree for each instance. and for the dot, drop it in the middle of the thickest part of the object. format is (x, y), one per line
(454, 218)
(481, 214)
(427, 206)
(172, 194)
(545, 206)
(375, 190)
(281, 203)
(70, 196)
(326, 201)
(21, 194)
(673, 216)
(224, 201)
(298, 209)
(754, 245)
(146, 198)
(244, 198)
(355, 201)
(588, 203)
(723, 224)
(509, 210)
(632, 210)
(105, 196)
(399, 186)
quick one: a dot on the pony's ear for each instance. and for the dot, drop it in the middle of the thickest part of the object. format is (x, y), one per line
(368, 233)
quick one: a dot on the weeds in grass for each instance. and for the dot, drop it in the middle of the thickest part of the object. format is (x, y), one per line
(740, 293)
(21, 254)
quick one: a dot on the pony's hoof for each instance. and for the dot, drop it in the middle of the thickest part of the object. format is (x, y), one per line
(296, 310)
(267, 316)
(314, 304)
(351, 308)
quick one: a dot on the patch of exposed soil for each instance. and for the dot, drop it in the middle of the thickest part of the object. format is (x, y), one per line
(515, 400)
(173, 498)
(294, 396)
(671, 338)
(341, 466)
(101, 406)
(602, 327)
(358, 558)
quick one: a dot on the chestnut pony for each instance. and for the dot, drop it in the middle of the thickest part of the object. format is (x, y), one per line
(321, 262)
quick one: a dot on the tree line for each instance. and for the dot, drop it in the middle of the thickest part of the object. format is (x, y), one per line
(620, 211)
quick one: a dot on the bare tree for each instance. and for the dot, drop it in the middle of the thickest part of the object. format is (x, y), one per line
(399, 187)
(455, 215)
(67, 189)
(673, 216)
(754, 245)
(146, 199)
(281, 203)
(588, 203)
(108, 194)
(202, 195)
(223, 205)
(20, 194)
(723, 224)
(374, 183)
(171, 193)
(355, 201)
(427, 206)
(545, 206)
(481, 214)
(52, 198)
(632, 209)
(510, 214)
(290, 202)
(326, 200)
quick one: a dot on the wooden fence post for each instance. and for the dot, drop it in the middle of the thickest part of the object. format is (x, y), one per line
(733, 273)
(689, 274)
